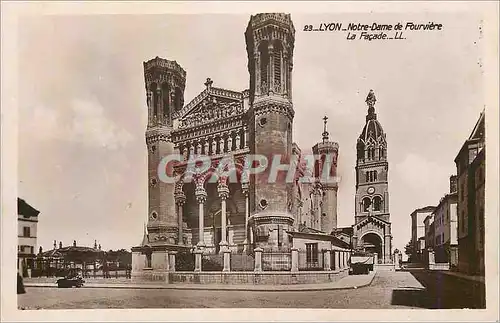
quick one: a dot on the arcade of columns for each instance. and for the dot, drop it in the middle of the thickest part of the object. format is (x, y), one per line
(201, 198)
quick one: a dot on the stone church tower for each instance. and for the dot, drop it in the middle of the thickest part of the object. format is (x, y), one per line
(372, 227)
(270, 41)
(165, 82)
(328, 150)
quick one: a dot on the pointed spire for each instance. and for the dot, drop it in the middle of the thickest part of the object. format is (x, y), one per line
(370, 101)
(325, 132)
(145, 239)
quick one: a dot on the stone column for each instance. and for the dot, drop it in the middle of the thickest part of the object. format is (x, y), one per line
(245, 136)
(171, 260)
(258, 83)
(337, 260)
(375, 259)
(159, 102)
(258, 259)
(227, 259)
(295, 260)
(223, 191)
(206, 148)
(230, 142)
(214, 146)
(244, 189)
(270, 49)
(326, 260)
(387, 249)
(201, 197)
(221, 146)
(237, 141)
(180, 199)
(150, 108)
(197, 260)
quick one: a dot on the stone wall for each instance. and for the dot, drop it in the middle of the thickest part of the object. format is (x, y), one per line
(245, 278)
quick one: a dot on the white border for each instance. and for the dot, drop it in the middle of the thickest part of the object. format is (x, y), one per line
(11, 10)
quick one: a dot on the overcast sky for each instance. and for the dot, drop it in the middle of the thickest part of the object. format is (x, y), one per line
(82, 112)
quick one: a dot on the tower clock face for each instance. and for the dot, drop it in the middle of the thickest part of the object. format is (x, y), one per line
(371, 190)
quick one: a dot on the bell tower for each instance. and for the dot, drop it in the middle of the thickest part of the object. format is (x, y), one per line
(165, 82)
(270, 41)
(372, 226)
(326, 173)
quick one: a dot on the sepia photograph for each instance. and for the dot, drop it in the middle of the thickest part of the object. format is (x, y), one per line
(180, 155)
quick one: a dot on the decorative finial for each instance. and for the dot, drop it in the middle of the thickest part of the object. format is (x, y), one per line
(325, 132)
(370, 99)
(209, 83)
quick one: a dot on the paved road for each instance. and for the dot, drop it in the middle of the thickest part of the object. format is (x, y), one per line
(388, 290)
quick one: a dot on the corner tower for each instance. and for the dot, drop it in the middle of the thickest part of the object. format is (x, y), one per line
(165, 82)
(270, 41)
(328, 152)
(372, 228)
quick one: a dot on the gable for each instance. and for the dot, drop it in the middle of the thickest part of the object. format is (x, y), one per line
(373, 220)
(208, 107)
(209, 96)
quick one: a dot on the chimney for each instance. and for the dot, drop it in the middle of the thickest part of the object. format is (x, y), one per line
(74, 243)
(55, 245)
(453, 183)
(95, 244)
(99, 246)
(60, 244)
(40, 250)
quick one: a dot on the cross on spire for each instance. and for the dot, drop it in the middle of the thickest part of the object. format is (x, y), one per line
(325, 132)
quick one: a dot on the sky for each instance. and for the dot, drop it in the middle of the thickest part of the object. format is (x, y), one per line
(82, 108)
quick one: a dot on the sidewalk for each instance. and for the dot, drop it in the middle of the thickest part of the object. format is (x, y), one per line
(348, 282)
(479, 279)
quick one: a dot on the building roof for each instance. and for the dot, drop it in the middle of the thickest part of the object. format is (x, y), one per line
(428, 208)
(61, 252)
(373, 128)
(25, 209)
(476, 135)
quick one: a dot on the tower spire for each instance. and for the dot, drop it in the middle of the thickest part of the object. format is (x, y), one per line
(145, 239)
(370, 101)
(325, 132)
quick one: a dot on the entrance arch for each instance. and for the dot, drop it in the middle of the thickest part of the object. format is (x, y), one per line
(372, 242)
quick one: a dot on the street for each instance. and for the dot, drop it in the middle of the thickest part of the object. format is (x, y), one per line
(388, 290)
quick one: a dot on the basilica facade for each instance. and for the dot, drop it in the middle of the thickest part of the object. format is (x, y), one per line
(251, 212)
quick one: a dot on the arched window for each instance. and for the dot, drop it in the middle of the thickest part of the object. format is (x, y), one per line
(374, 175)
(165, 100)
(366, 204)
(154, 98)
(367, 177)
(377, 203)
(264, 64)
(178, 99)
(277, 51)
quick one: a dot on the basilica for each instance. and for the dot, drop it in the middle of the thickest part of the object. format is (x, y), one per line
(252, 212)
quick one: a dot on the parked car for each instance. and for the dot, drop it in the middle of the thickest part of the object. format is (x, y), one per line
(361, 263)
(72, 280)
